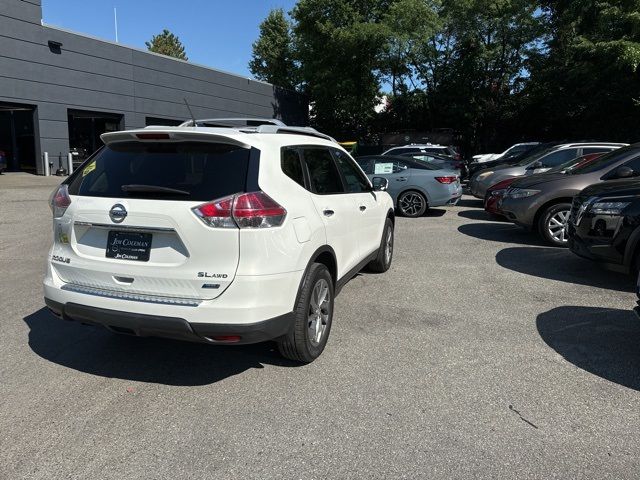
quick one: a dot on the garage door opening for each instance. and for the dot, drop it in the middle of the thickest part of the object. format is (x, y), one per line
(85, 129)
(17, 137)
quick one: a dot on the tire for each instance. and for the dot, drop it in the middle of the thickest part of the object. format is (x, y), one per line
(412, 204)
(385, 253)
(307, 338)
(552, 222)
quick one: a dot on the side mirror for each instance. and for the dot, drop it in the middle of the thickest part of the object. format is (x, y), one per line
(380, 184)
(623, 172)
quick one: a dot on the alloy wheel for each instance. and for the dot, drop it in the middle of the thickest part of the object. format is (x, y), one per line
(388, 246)
(319, 305)
(557, 226)
(411, 203)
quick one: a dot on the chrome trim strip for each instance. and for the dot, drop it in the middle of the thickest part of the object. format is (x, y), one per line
(135, 297)
(128, 228)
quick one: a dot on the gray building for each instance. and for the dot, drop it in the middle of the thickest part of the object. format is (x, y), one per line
(60, 90)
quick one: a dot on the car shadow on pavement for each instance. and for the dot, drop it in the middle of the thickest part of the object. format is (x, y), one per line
(482, 215)
(434, 212)
(601, 341)
(562, 265)
(470, 202)
(97, 351)
(500, 232)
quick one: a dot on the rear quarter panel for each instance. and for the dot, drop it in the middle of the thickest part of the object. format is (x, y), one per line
(287, 248)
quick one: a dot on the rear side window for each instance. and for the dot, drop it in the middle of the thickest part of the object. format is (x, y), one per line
(634, 165)
(323, 174)
(558, 158)
(193, 171)
(292, 165)
(355, 180)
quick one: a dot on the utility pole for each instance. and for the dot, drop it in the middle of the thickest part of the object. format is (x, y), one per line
(115, 21)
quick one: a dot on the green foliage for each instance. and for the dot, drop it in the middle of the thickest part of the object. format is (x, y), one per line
(166, 43)
(586, 83)
(273, 58)
(495, 70)
(338, 43)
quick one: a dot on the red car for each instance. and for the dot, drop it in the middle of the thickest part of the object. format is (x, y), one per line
(495, 192)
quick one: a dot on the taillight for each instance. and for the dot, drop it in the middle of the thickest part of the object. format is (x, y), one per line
(60, 201)
(246, 210)
(216, 213)
(446, 180)
(257, 210)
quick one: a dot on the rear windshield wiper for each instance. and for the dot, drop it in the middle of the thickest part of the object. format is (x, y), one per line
(152, 189)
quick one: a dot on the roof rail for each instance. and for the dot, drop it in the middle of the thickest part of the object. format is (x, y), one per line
(232, 122)
(293, 130)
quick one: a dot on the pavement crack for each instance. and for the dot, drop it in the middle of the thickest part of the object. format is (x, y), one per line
(522, 418)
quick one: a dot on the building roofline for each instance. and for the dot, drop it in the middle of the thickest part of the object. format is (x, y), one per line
(128, 47)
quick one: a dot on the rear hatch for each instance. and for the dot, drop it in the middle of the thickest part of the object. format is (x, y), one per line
(130, 227)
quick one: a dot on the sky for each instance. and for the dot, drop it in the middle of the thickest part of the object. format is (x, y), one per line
(215, 33)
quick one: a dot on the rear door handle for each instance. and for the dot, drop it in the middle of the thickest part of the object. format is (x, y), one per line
(328, 213)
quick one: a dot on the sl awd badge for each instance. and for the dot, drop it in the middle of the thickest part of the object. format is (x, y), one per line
(118, 213)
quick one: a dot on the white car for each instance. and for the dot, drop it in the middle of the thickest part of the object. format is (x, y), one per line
(424, 148)
(511, 151)
(220, 235)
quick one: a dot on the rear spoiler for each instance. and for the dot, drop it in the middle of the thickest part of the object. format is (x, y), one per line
(168, 135)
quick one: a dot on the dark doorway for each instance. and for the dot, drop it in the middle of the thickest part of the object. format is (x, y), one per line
(85, 129)
(17, 138)
(165, 122)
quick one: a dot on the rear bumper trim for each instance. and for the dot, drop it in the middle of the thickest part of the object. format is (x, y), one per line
(136, 297)
(171, 327)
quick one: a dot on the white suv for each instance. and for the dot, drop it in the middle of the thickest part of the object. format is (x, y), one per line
(223, 235)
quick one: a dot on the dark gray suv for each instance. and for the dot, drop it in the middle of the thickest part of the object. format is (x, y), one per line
(543, 202)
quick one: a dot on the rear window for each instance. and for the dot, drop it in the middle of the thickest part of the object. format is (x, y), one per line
(193, 171)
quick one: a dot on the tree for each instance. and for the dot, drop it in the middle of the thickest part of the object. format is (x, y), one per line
(463, 59)
(585, 83)
(338, 44)
(272, 60)
(166, 43)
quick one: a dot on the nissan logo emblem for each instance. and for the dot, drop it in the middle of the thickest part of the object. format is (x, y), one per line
(117, 213)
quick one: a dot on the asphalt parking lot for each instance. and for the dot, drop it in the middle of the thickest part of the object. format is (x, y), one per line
(481, 353)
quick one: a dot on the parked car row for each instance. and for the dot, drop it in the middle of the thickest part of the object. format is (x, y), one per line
(590, 204)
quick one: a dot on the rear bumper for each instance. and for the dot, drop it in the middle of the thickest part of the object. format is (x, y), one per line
(172, 327)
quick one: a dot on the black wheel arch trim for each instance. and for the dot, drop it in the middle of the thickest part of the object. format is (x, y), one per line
(546, 206)
(338, 282)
